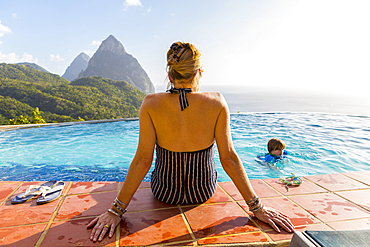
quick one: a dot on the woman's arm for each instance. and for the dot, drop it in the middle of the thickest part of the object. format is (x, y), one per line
(143, 159)
(139, 167)
(234, 168)
(228, 157)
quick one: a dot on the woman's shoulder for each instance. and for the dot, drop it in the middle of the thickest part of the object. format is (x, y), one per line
(155, 96)
(213, 96)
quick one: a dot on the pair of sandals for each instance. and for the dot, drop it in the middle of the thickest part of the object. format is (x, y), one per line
(46, 192)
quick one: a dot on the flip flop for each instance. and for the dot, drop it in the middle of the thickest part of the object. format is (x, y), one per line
(51, 194)
(33, 191)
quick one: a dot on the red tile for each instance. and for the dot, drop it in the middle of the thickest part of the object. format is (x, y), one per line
(153, 227)
(73, 233)
(86, 205)
(261, 189)
(218, 219)
(26, 213)
(362, 176)
(6, 188)
(361, 224)
(360, 197)
(296, 214)
(143, 199)
(141, 186)
(144, 185)
(21, 235)
(231, 189)
(330, 207)
(91, 187)
(336, 182)
(256, 237)
(219, 196)
(286, 235)
(306, 187)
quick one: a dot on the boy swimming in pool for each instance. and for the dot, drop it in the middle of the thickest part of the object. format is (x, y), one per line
(276, 148)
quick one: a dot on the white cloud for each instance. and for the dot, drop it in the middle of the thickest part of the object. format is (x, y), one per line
(129, 3)
(148, 10)
(1, 42)
(56, 58)
(14, 58)
(4, 30)
(95, 43)
(15, 16)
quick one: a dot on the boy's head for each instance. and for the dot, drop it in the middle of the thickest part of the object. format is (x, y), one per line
(275, 146)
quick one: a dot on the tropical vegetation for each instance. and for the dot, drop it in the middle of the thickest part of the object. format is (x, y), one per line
(22, 89)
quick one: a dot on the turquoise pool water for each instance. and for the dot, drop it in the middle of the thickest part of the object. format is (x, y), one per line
(317, 144)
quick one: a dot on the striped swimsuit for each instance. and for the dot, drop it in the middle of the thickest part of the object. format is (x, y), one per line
(184, 177)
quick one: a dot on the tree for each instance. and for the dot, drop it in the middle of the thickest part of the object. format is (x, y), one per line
(35, 119)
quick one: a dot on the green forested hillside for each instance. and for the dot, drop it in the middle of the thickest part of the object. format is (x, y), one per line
(24, 73)
(22, 89)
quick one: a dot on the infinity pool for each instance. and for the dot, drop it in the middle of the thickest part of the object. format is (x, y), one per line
(317, 144)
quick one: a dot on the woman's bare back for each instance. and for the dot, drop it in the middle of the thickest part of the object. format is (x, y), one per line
(189, 130)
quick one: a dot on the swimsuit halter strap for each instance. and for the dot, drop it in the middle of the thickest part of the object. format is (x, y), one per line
(182, 97)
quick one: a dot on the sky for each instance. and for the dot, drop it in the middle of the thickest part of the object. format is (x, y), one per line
(318, 45)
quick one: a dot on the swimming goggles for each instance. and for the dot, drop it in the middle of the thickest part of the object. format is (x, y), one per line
(291, 180)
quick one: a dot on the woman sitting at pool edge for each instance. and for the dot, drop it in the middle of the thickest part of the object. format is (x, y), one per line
(184, 136)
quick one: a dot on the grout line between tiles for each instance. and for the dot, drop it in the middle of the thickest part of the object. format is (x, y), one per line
(30, 224)
(233, 234)
(344, 174)
(321, 186)
(232, 199)
(203, 204)
(76, 218)
(299, 206)
(12, 193)
(249, 217)
(304, 209)
(353, 219)
(309, 193)
(118, 234)
(351, 201)
(43, 234)
(271, 187)
(89, 193)
(187, 224)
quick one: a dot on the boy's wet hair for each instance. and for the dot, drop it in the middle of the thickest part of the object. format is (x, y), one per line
(275, 144)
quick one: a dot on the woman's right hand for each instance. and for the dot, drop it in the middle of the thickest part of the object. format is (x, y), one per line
(103, 223)
(274, 217)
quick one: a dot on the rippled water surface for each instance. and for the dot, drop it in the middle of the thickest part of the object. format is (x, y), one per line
(317, 144)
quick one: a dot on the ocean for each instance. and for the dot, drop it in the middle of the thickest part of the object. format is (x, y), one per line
(258, 99)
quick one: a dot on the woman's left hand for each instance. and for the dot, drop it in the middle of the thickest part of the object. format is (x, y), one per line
(274, 217)
(103, 223)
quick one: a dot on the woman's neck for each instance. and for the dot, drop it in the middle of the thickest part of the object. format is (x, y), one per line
(193, 86)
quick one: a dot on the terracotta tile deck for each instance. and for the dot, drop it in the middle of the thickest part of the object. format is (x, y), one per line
(324, 202)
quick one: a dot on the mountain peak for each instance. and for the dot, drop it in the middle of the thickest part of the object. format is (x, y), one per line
(78, 64)
(113, 45)
(84, 56)
(113, 62)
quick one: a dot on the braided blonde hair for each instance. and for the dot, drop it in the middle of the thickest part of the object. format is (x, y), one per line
(183, 61)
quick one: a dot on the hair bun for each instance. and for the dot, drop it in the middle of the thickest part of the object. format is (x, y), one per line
(177, 50)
